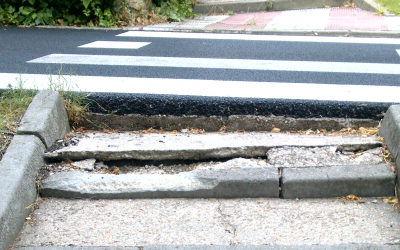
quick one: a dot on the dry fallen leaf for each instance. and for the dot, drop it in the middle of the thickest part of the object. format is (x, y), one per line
(393, 168)
(352, 197)
(173, 132)
(276, 130)
(380, 138)
(115, 171)
(373, 131)
(223, 128)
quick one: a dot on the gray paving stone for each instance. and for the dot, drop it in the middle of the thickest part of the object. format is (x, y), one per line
(337, 181)
(215, 183)
(18, 170)
(45, 118)
(167, 146)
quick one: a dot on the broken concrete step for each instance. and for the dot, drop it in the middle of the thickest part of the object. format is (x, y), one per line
(221, 183)
(261, 223)
(168, 146)
(233, 179)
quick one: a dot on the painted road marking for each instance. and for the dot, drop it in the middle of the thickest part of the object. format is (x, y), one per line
(115, 45)
(248, 37)
(267, 90)
(398, 51)
(246, 64)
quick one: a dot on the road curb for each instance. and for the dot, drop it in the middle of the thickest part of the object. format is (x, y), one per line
(45, 118)
(390, 131)
(337, 181)
(22, 160)
(18, 170)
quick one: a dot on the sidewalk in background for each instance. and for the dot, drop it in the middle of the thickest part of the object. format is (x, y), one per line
(327, 19)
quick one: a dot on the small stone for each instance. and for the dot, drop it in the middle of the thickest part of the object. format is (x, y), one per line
(87, 165)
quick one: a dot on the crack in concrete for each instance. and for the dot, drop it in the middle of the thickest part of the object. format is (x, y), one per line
(229, 227)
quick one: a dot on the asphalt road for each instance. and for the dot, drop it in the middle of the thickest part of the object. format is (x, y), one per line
(19, 48)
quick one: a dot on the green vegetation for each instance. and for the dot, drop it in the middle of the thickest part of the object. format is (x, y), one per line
(391, 5)
(174, 10)
(100, 13)
(13, 104)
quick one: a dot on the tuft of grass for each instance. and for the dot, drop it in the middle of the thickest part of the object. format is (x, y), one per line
(76, 103)
(13, 104)
(391, 5)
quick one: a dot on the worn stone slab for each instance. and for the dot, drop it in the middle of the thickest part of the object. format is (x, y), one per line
(45, 118)
(337, 181)
(18, 170)
(215, 183)
(163, 146)
(222, 222)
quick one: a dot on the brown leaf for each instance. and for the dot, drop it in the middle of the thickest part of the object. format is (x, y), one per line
(223, 128)
(276, 130)
(115, 171)
(373, 131)
(352, 197)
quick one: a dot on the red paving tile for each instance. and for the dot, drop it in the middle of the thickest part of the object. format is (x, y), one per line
(246, 21)
(354, 19)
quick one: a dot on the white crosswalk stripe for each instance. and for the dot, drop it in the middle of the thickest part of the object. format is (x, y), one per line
(114, 45)
(215, 63)
(279, 90)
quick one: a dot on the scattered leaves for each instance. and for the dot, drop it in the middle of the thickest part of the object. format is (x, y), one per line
(349, 5)
(391, 200)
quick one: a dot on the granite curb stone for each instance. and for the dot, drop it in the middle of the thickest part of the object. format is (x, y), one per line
(18, 170)
(390, 131)
(45, 118)
(337, 181)
(24, 157)
(227, 183)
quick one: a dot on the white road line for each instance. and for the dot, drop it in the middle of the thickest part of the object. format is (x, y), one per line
(248, 37)
(114, 45)
(268, 90)
(398, 51)
(182, 62)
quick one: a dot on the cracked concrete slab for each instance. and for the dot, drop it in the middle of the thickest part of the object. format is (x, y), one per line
(321, 156)
(224, 222)
(167, 146)
(233, 182)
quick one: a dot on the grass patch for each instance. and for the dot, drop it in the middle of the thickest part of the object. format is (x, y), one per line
(13, 104)
(391, 5)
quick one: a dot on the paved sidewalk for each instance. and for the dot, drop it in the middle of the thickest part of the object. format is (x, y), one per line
(327, 19)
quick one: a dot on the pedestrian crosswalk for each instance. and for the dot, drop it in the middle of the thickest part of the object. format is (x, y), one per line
(242, 89)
